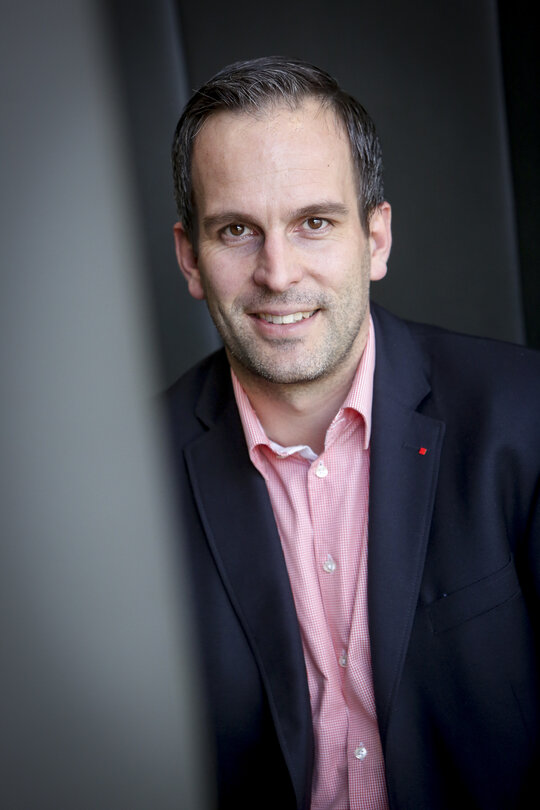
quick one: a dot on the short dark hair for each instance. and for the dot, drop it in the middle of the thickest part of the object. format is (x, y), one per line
(256, 84)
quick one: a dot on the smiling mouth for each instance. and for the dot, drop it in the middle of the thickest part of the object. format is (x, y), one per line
(293, 317)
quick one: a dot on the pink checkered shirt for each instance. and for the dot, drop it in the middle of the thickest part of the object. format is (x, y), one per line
(321, 510)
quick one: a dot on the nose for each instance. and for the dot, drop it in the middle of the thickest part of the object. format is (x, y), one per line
(278, 264)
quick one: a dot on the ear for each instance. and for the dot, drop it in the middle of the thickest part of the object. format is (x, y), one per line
(187, 261)
(380, 240)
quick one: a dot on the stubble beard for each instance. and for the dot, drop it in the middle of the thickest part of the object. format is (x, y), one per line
(269, 360)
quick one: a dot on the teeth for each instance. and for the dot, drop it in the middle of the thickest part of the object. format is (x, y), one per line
(292, 318)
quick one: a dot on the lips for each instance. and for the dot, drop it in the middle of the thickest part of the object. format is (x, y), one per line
(292, 317)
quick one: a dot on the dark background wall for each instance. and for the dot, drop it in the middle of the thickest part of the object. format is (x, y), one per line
(521, 69)
(451, 88)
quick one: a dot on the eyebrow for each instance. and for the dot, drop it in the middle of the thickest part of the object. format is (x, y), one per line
(318, 209)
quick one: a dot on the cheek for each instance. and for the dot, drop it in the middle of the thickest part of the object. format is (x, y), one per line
(338, 268)
(221, 283)
(226, 272)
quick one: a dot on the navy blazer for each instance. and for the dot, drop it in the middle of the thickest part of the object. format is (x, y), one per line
(453, 578)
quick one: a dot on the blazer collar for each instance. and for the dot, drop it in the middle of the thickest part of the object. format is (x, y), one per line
(239, 524)
(405, 454)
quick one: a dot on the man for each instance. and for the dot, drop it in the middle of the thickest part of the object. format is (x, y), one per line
(359, 494)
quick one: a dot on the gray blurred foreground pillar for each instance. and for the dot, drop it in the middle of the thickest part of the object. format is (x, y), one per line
(98, 695)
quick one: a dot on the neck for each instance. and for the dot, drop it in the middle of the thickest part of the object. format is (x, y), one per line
(298, 413)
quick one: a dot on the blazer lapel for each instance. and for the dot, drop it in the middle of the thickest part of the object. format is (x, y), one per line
(238, 520)
(405, 453)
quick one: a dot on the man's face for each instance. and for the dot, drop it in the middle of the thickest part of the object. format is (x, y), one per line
(282, 259)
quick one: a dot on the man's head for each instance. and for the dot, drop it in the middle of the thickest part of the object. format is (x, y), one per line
(258, 84)
(281, 248)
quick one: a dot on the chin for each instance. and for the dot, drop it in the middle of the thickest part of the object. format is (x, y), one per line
(283, 373)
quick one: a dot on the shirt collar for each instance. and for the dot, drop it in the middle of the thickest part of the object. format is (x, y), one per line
(359, 399)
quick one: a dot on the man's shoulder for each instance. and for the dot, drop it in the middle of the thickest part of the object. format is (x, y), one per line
(446, 354)
(505, 372)
(191, 382)
(199, 394)
(465, 380)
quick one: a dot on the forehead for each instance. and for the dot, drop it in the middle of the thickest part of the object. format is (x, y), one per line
(279, 148)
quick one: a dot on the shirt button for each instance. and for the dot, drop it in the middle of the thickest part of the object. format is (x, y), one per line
(321, 471)
(329, 564)
(343, 662)
(360, 752)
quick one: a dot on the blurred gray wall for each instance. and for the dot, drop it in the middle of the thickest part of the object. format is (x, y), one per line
(98, 696)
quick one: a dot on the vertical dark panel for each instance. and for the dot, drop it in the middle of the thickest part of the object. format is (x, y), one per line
(430, 75)
(147, 43)
(519, 30)
(98, 698)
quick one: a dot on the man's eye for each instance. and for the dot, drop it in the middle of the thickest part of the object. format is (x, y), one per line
(315, 223)
(237, 230)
